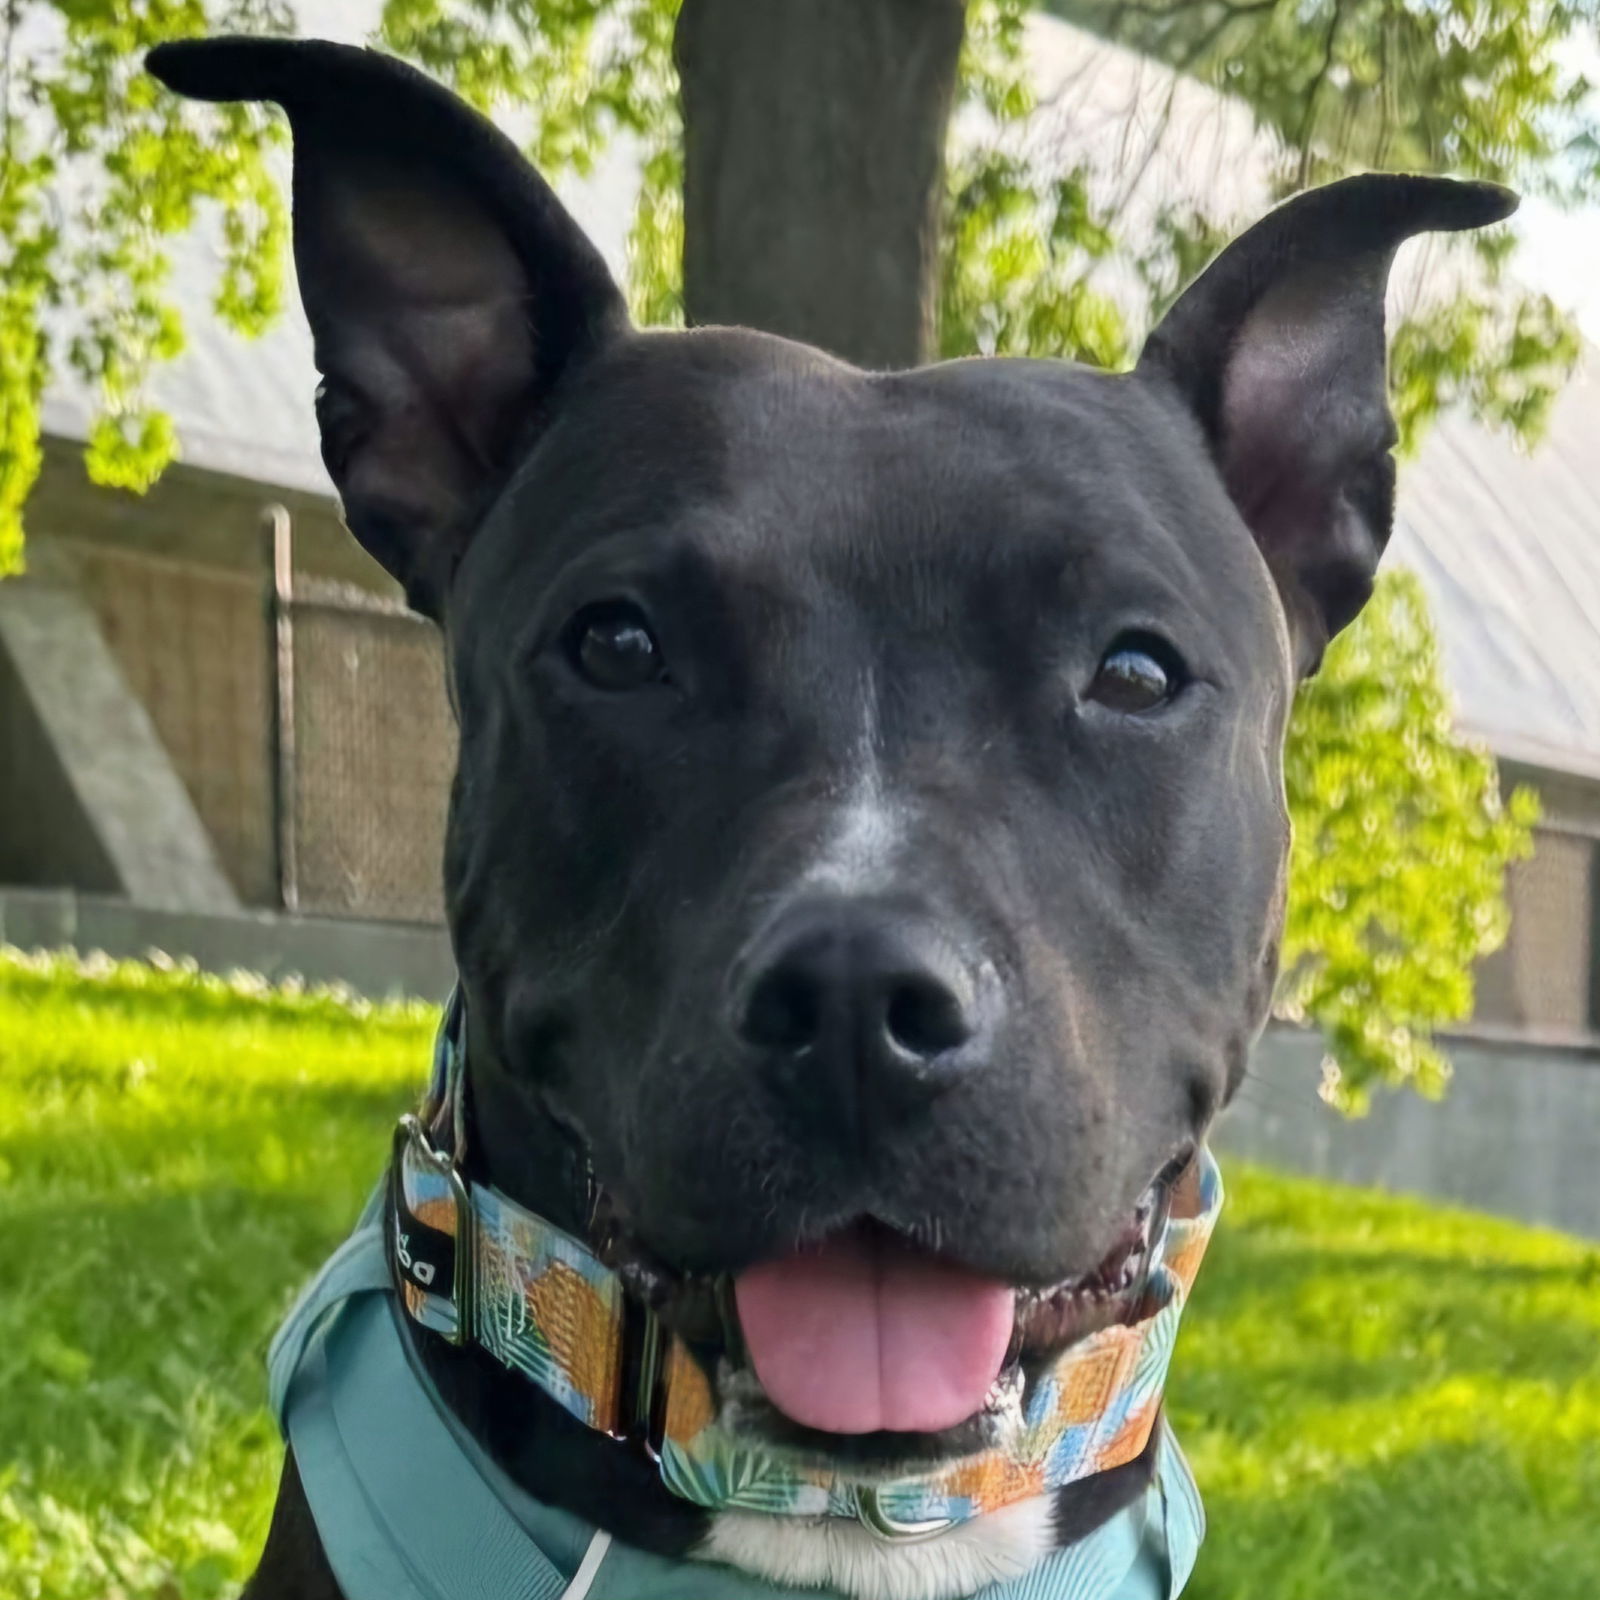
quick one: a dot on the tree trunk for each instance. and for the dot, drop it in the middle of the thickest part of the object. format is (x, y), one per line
(814, 135)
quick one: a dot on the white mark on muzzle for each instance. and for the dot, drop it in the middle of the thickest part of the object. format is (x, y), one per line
(859, 853)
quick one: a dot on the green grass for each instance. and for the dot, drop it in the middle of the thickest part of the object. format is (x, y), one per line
(175, 1155)
(1381, 1399)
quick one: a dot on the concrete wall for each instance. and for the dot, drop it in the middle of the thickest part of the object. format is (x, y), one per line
(90, 797)
(46, 836)
(1518, 1134)
(177, 581)
(179, 585)
(375, 958)
(192, 515)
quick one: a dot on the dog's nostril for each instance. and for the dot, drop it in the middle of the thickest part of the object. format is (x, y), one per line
(925, 1018)
(864, 990)
(784, 1011)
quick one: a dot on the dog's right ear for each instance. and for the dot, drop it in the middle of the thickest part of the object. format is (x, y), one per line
(447, 288)
(1278, 353)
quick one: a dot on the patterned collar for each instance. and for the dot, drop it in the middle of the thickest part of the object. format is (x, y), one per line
(472, 1265)
(409, 1506)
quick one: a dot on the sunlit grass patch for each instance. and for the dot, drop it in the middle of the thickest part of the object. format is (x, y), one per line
(1387, 1399)
(1383, 1400)
(176, 1153)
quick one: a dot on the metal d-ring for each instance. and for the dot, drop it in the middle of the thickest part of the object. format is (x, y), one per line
(872, 1516)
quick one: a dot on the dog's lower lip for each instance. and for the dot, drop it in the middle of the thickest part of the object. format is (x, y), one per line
(1050, 1320)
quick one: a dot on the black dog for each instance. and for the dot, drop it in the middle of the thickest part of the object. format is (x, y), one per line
(869, 813)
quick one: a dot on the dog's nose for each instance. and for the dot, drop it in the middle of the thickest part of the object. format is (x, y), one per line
(880, 1002)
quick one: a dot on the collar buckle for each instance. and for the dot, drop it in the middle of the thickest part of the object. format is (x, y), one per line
(448, 1220)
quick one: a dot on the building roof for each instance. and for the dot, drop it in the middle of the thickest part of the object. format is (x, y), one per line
(1507, 544)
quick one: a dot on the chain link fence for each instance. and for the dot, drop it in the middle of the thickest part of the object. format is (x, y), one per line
(191, 641)
(365, 784)
(1544, 979)
(308, 720)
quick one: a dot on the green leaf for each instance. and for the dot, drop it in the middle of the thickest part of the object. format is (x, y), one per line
(101, 171)
(1401, 843)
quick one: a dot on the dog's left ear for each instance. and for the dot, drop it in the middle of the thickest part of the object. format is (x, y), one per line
(1278, 350)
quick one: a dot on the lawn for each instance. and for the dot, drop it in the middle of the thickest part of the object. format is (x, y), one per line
(1381, 1399)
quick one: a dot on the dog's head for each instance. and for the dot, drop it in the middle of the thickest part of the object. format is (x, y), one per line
(869, 839)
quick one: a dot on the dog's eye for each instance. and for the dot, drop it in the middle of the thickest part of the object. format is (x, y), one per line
(611, 645)
(1138, 673)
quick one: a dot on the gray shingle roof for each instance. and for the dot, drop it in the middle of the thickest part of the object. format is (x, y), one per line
(1508, 547)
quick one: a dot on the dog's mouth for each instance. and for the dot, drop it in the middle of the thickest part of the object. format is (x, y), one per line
(865, 1331)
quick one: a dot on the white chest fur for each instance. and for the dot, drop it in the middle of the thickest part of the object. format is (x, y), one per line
(837, 1554)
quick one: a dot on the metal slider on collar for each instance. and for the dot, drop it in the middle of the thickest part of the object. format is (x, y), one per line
(641, 1407)
(872, 1516)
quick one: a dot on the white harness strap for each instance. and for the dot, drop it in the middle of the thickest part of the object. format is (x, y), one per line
(583, 1578)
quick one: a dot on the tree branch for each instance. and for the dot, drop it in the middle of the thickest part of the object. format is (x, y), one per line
(1309, 121)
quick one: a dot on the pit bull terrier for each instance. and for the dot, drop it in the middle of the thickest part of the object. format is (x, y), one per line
(865, 869)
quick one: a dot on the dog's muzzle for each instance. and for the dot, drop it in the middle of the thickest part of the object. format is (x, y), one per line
(475, 1267)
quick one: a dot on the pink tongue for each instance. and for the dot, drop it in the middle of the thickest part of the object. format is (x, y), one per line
(863, 1333)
